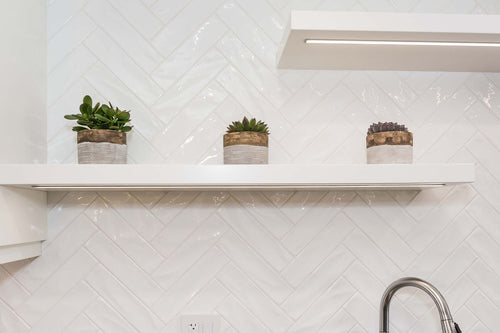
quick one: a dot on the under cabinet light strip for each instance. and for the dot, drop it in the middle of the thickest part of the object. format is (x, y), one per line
(232, 187)
(401, 43)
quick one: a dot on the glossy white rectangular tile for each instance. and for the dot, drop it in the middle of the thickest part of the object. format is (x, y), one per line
(67, 72)
(68, 38)
(122, 268)
(66, 310)
(138, 16)
(255, 300)
(59, 12)
(183, 24)
(189, 52)
(255, 267)
(190, 251)
(52, 291)
(123, 235)
(192, 282)
(108, 19)
(123, 66)
(250, 230)
(123, 300)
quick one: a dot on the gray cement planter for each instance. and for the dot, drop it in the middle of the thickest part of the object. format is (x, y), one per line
(98, 146)
(246, 148)
(394, 147)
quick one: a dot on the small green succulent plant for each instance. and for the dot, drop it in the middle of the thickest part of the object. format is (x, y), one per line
(100, 117)
(246, 125)
(386, 127)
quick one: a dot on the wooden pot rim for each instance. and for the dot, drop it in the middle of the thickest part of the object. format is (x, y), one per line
(389, 138)
(246, 138)
(101, 135)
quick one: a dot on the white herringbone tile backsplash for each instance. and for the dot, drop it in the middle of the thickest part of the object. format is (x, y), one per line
(264, 261)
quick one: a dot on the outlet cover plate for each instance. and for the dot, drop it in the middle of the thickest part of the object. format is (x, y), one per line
(201, 323)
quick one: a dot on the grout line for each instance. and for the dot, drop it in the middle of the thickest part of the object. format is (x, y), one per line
(118, 46)
(229, 27)
(189, 203)
(67, 22)
(105, 301)
(240, 301)
(117, 278)
(14, 312)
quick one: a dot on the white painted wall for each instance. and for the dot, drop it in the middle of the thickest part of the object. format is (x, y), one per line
(265, 261)
(23, 85)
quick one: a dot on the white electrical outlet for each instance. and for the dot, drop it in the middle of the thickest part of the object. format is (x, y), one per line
(193, 327)
(200, 324)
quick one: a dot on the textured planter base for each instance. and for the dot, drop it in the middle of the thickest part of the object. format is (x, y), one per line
(102, 153)
(245, 154)
(99, 146)
(391, 147)
(389, 154)
(246, 148)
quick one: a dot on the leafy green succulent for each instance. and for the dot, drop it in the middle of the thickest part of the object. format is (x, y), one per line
(246, 125)
(100, 117)
(386, 127)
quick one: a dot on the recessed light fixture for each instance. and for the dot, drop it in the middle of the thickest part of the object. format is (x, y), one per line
(401, 43)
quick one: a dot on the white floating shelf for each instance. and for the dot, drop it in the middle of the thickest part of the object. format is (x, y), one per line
(23, 187)
(66, 177)
(391, 41)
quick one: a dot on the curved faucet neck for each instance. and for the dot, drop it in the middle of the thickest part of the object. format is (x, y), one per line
(447, 323)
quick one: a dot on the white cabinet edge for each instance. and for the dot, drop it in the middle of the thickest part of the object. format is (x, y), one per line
(22, 251)
(23, 222)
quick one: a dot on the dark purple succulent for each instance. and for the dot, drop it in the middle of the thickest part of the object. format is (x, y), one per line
(386, 127)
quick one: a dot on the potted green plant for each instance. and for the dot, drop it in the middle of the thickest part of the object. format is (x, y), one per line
(101, 133)
(246, 142)
(388, 143)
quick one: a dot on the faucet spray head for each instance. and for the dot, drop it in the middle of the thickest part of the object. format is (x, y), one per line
(447, 323)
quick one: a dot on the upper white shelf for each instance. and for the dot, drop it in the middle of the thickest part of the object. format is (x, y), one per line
(64, 177)
(391, 41)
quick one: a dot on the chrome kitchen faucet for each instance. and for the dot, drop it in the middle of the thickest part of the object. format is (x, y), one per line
(447, 323)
